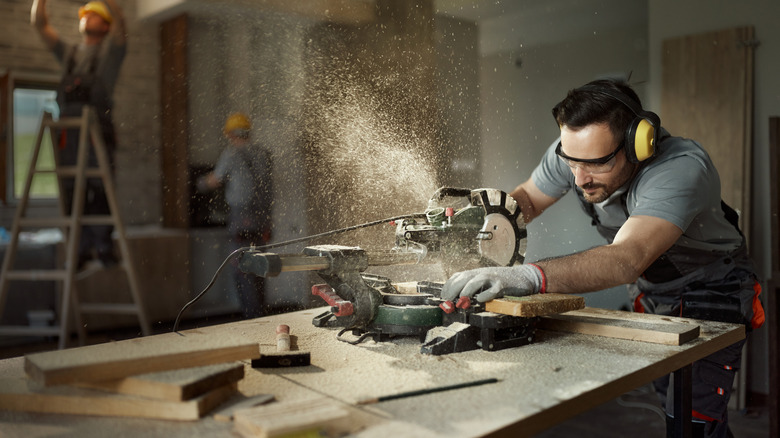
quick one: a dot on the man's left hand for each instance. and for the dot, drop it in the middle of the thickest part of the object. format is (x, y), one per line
(486, 284)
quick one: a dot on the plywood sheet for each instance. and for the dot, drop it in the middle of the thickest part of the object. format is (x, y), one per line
(624, 325)
(139, 356)
(19, 394)
(175, 385)
(535, 305)
(707, 96)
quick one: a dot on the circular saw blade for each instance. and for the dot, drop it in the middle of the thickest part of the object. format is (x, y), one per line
(498, 241)
(503, 231)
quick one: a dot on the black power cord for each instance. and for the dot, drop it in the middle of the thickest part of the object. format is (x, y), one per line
(241, 251)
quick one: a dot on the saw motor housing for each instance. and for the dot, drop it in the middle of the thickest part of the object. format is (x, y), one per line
(466, 229)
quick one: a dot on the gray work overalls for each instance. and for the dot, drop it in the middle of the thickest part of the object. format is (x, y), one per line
(77, 89)
(716, 286)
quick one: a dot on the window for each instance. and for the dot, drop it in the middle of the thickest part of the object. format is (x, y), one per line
(23, 99)
(28, 107)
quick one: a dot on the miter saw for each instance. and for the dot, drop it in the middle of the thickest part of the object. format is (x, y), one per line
(461, 229)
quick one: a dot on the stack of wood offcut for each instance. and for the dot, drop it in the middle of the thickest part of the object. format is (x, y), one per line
(173, 376)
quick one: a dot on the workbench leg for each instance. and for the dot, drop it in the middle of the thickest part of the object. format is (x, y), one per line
(682, 402)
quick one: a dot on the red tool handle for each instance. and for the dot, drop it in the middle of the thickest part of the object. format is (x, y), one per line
(463, 303)
(447, 306)
(340, 307)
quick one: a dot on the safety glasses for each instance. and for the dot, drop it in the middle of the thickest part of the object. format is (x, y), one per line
(591, 165)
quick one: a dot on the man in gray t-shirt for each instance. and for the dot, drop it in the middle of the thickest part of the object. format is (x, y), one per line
(90, 71)
(244, 170)
(656, 199)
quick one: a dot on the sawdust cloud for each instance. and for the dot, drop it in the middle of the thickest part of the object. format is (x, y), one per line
(368, 154)
(373, 170)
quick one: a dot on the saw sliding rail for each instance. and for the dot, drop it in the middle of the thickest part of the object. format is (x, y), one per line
(271, 265)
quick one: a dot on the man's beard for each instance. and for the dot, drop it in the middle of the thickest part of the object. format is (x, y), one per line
(600, 196)
(604, 191)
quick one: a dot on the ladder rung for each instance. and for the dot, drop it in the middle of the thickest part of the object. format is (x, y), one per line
(37, 274)
(73, 171)
(65, 221)
(123, 309)
(25, 330)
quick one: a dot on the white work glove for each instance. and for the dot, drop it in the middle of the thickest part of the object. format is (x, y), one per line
(492, 283)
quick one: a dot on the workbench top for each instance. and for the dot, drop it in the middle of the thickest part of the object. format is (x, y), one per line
(541, 384)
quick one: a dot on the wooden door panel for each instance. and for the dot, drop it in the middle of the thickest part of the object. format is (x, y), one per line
(707, 95)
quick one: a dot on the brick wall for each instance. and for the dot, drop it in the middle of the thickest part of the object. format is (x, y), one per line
(136, 96)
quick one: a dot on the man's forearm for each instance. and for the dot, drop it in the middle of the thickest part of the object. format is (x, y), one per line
(592, 270)
(39, 18)
(119, 27)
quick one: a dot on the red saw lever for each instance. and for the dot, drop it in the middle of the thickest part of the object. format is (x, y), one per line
(339, 306)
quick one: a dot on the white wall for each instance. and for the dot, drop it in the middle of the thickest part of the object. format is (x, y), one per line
(670, 19)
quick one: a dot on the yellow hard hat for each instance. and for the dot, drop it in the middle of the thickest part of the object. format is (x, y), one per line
(237, 121)
(98, 8)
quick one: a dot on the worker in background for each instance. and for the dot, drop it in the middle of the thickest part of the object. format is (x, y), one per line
(91, 68)
(657, 201)
(244, 168)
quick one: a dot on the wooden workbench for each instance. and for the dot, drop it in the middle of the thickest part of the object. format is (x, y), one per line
(541, 384)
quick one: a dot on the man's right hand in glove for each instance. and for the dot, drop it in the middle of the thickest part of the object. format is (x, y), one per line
(486, 284)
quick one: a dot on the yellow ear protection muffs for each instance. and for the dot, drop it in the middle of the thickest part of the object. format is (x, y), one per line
(643, 132)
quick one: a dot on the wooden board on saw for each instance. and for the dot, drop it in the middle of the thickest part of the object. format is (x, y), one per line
(643, 327)
(535, 305)
(20, 394)
(150, 354)
(174, 385)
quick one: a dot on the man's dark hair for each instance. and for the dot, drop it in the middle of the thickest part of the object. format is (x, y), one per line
(583, 107)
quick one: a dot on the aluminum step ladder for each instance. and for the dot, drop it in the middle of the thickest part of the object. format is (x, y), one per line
(66, 277)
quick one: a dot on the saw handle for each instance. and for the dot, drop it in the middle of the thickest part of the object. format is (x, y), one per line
(339, 306)
(449, 307)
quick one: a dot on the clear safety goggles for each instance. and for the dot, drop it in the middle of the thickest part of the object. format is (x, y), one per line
(590, 165)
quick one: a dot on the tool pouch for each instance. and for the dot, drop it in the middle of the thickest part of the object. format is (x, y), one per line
(701, 302)
(76, 88)
(721, 291)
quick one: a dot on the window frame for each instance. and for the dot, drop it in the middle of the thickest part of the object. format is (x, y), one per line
(9, 82)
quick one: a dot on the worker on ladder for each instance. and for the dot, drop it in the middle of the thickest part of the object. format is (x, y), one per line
(91, 68)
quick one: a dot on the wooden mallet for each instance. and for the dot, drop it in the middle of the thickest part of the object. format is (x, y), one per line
(283, 357)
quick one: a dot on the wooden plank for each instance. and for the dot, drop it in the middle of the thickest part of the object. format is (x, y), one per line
(226, 411)
(282, 419)
(634, 326)
(176, 385)
(535, 305)
(150, 354)
(623, 315)
(174, 129)
(19, 394)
